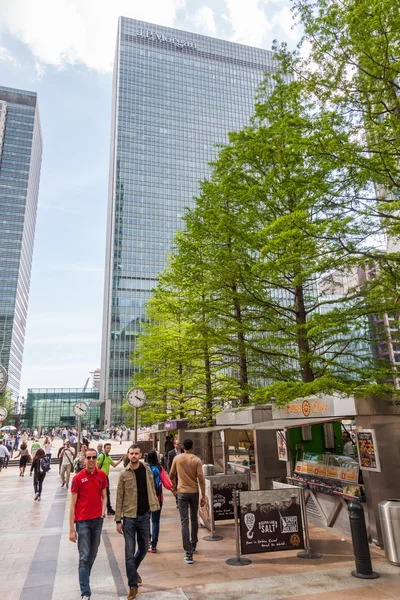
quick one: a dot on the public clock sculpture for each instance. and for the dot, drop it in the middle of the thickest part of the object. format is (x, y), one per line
(136, 397)
(3, 414)
(3, 378)
(80, 409)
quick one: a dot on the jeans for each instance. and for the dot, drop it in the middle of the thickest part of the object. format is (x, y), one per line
(109, 507)
(38, 479)
(155, 527)
(89, 534)
(2, 462)
(135, 527)
(185, 501)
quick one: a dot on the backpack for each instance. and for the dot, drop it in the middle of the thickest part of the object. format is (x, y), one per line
(44, 465)
(157, 480)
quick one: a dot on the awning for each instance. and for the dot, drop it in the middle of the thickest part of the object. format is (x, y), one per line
(209, 429)
(96, 403)
(275, 424)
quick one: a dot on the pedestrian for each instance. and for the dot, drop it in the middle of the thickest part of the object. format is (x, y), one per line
(34, 448)
(86, 515)
(79, 462)
(17, 441)
(40, 466)
(160, 479)
(67, 454)
(23, 458)
(4, 455)
(136, 497)
(121, 435)
(47, 446)
(104, 463)
(59, 457)
(9, 446)
(187, 475)
(99, 449)
(169, 445)
(173, 453)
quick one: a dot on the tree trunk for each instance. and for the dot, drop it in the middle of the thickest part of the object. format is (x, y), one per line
(307, 373)
(208, 450)
(243, 374)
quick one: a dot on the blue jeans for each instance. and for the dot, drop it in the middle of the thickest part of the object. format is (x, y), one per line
(89, 534)
(133, 528)
(155, 527)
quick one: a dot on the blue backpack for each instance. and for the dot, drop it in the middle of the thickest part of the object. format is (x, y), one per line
(157, 480)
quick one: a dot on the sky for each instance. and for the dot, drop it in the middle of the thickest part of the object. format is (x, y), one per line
(64, 51)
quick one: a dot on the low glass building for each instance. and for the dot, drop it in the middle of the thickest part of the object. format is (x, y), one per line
(53, 407)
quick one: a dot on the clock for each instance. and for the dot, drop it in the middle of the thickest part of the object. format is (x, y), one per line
(3, 413)
(3, 378)
(136, 397)
(80, 409)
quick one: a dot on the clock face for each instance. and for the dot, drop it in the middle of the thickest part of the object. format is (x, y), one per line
(3, 413)
(3, 378)
(80, 409)
(136, 397)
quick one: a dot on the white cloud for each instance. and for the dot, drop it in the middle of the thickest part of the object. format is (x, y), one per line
(204, 17)
(249, 22)
(62, 32)
(7, 56)
(284, 19)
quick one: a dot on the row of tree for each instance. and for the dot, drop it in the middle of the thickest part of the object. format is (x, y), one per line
(301, 196)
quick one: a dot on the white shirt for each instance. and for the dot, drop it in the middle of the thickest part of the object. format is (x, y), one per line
(4, 452)
(348, 449)
(68, 454)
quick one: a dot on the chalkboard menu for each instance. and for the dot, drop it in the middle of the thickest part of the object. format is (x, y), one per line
(270, 521)
(367, 450)
(222, 489)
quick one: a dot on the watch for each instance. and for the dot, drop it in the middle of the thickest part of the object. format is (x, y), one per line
(80, 409)
(3, 378)
(136, 397)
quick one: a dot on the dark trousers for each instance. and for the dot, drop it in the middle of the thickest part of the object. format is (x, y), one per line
(89, 535)
(155, 527)
(38, 479)
(135, 530)
(109, 507)
(186, 502)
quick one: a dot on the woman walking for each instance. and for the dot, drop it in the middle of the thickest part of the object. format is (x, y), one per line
(40, 466)
(23, 456)
(79, 462)
(47, 446)
(160, 479)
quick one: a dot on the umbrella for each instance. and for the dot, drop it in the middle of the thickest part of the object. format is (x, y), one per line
(8, 428)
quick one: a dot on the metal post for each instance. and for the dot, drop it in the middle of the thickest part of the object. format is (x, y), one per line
(360, 543)
(238, 560)
(78, 446)
(307, 552)
(135, 426)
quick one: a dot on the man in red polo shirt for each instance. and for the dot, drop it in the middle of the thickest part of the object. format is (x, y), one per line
(86, 514)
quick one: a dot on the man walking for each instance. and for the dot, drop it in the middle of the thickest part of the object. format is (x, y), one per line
(104, 463)
(136, 497)
(174, 452)
(187, 475)
(67, 455)
(4, 455)
(86, 514)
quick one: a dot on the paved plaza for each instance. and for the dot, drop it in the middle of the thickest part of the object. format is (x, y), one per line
(38, 562)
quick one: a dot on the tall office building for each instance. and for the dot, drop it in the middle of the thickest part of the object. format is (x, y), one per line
(175, 96)
(20, 162)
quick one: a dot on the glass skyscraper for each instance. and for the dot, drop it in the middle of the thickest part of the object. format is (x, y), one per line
(175, 96)
(20, 162)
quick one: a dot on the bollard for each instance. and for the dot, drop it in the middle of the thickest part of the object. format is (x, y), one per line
(360, 543)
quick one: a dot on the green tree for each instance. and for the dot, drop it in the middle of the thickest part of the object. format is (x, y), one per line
(6, 401)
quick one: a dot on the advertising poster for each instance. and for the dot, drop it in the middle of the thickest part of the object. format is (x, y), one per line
(222, 488)
(367, 450)
(282, 446)
(270, 521)
(205, 513)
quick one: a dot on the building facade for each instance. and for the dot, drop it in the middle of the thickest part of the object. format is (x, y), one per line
(20, 162)
(52, 407)
(175, 96)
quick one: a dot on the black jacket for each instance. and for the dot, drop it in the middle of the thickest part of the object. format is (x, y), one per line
(171, 455)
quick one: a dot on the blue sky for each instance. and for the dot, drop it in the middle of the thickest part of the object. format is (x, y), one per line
(64, 50)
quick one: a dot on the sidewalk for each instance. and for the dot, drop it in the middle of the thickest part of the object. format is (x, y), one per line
(39, 563)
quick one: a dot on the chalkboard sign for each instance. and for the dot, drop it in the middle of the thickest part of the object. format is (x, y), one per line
(222, 489)
(270, 521)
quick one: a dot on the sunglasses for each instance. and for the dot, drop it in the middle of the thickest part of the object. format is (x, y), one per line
(91, 457)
